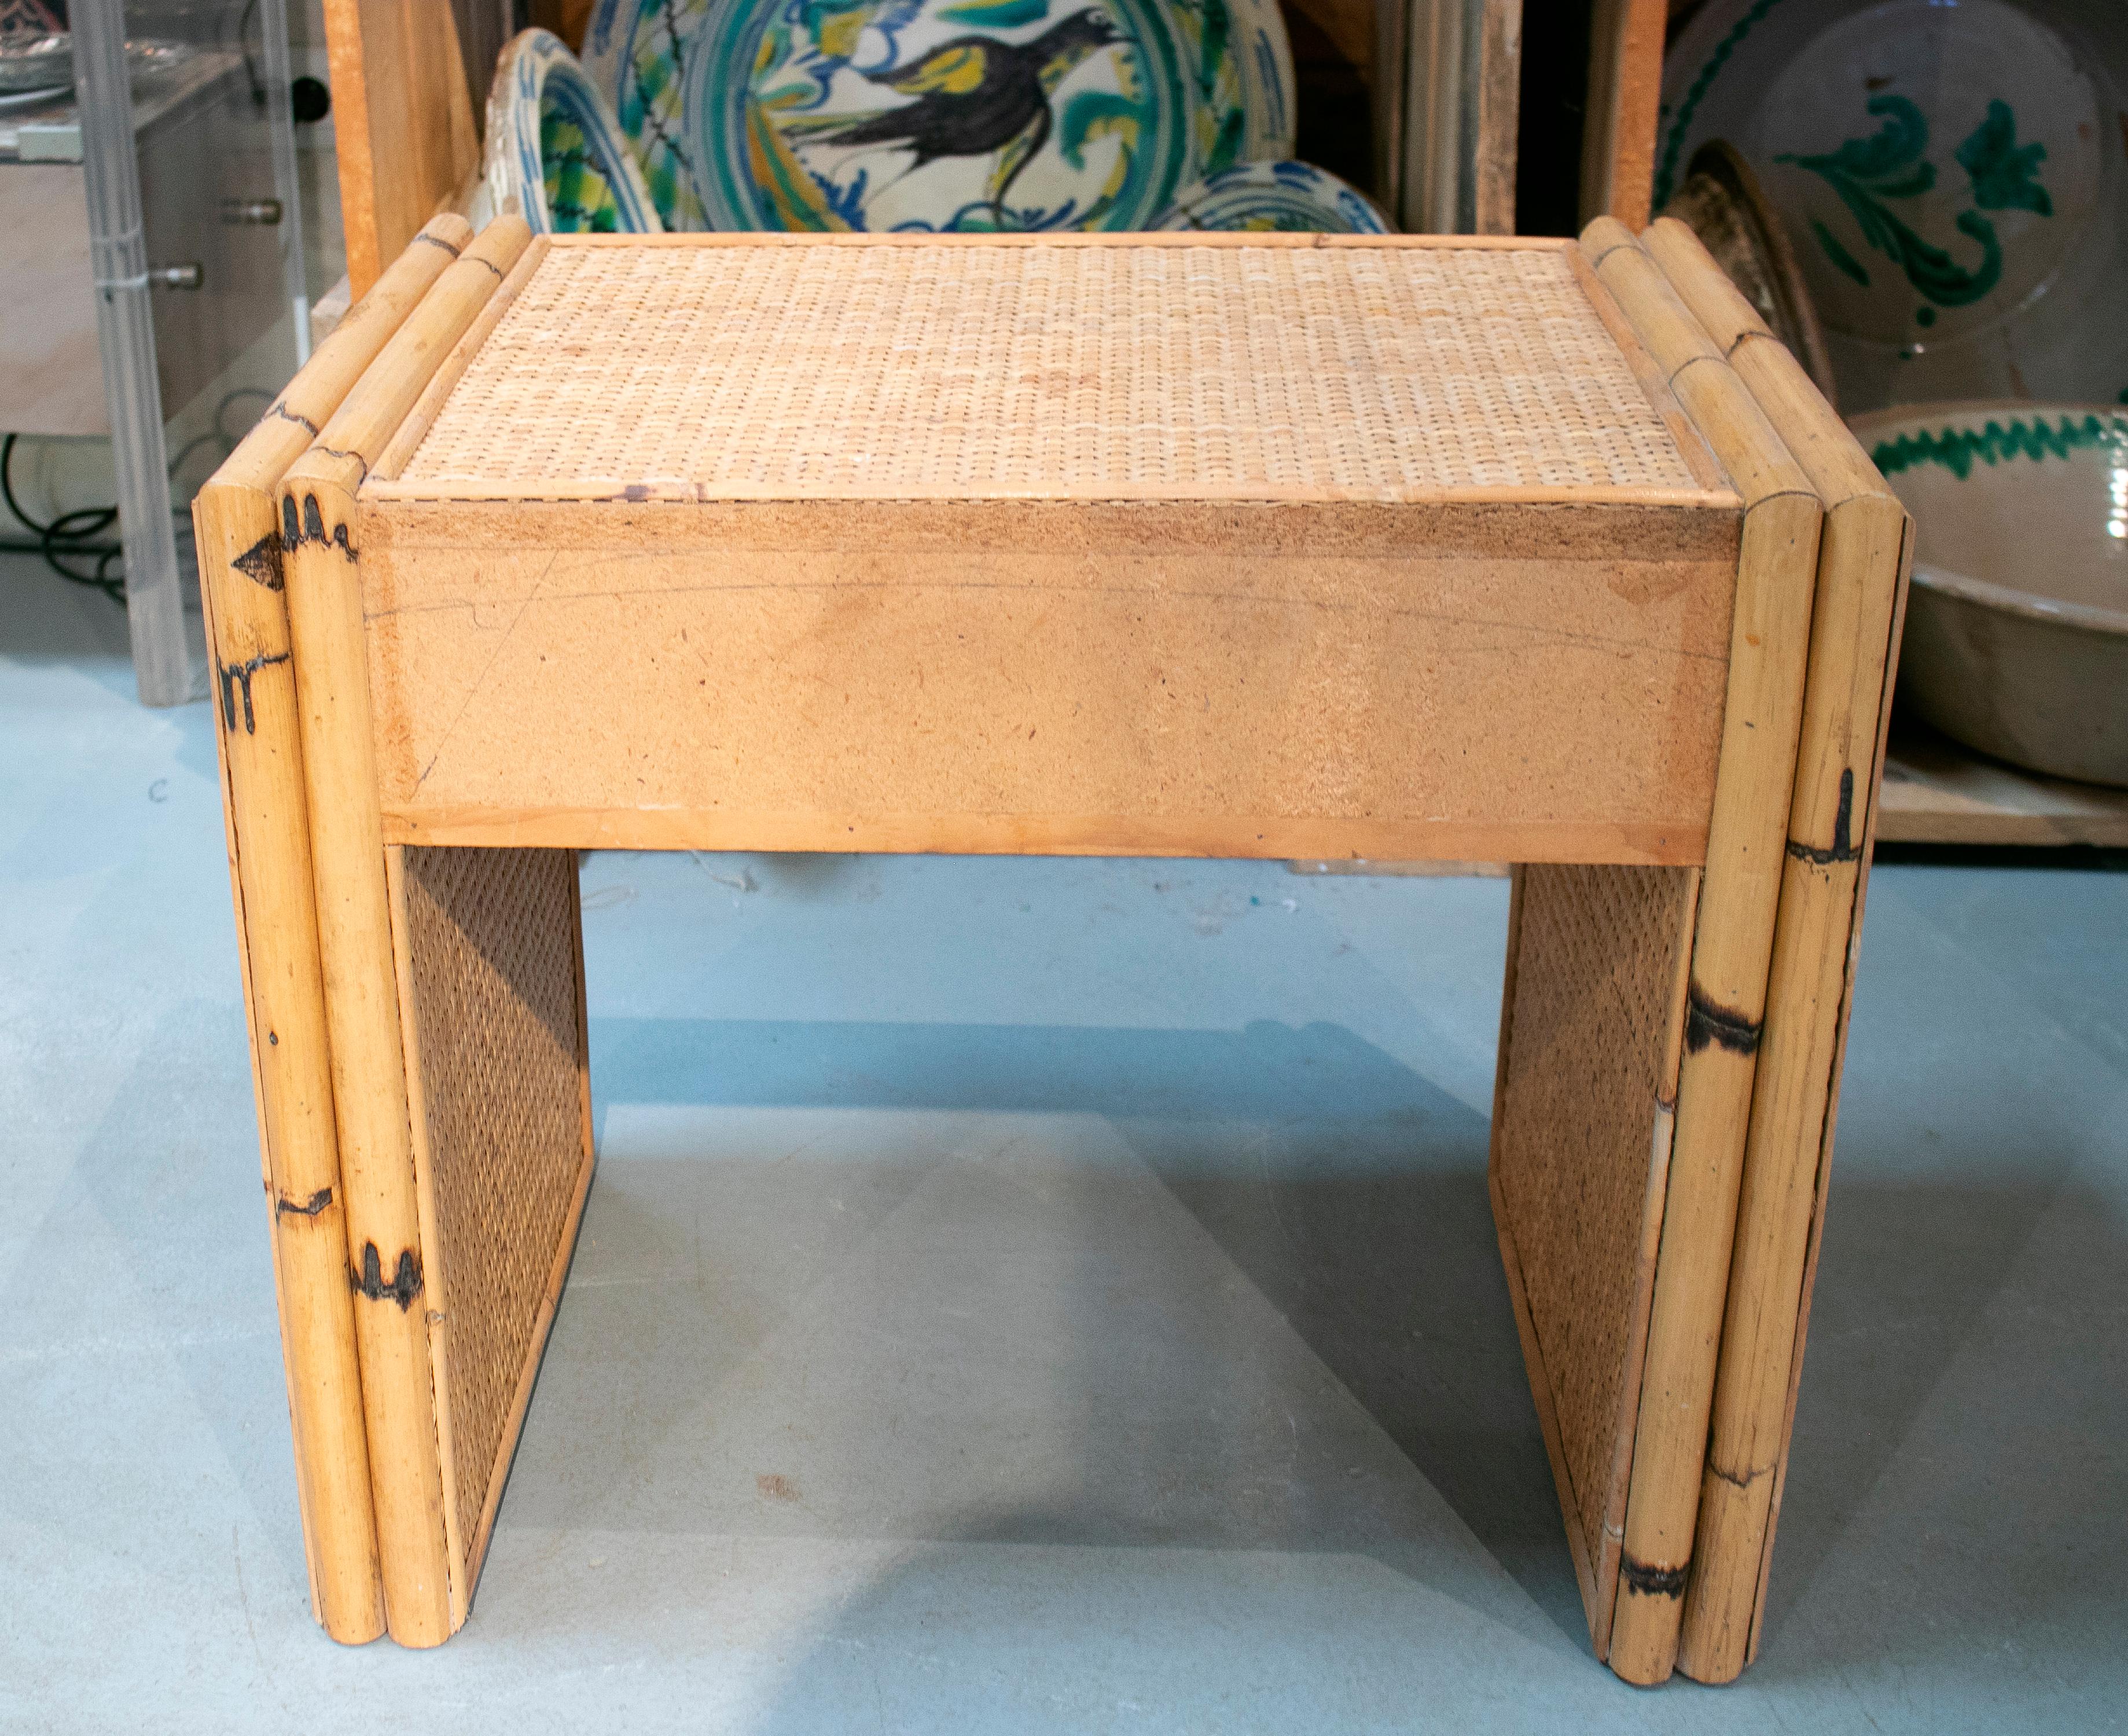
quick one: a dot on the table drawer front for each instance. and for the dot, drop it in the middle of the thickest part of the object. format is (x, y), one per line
(1231, 681)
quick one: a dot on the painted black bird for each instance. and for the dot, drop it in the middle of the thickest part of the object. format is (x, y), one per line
(976, 95)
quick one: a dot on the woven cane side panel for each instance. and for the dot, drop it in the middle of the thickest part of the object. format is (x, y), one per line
(1073, 372)
(491, 938)
(1595, 998)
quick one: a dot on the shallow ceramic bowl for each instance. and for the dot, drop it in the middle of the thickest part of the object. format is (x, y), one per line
(2016, 638)
(1950, 171)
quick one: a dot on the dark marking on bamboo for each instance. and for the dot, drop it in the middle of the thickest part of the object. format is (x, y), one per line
(1733, 1479)
(439, 241)
(311, 529)
(1844, 848)
(334, 452)
(1764, 337)
(1651, 1581)
(1690, 362)
(1777, 493)
(405, 1282)
(492, 266)
(1707, 1021)
(235, 676)
(310, 1208)
(281, 411)
(261, 562)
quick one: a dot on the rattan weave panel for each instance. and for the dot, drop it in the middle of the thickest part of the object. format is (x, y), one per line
(1052, 371)
(1596, 981)
(493, 949)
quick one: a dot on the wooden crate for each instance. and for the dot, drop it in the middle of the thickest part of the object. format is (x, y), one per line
(1329, 548)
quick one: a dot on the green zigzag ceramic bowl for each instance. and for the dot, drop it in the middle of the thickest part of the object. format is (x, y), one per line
(1952, 176)
(2016, 638)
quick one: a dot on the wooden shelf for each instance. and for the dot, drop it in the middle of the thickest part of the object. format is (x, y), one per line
(1937, 792)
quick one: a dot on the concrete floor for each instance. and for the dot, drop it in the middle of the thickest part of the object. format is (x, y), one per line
(1026, 1296)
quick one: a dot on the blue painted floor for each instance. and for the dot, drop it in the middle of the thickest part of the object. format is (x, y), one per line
(1025, 1297)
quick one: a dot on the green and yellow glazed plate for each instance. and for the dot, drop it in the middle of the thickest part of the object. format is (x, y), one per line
(972, 114)
(633, 53)
(1952, 175)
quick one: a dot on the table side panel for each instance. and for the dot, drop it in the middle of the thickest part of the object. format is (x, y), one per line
(1441, 679)
(491, 994)
(1582, 1128)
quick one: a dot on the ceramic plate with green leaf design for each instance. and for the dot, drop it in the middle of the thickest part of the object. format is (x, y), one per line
(1950, 171)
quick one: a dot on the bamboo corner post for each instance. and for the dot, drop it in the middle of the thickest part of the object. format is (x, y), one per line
(1242, 616)
(323, 581)
(1732, 950)
(1864, 557)
(237, 526)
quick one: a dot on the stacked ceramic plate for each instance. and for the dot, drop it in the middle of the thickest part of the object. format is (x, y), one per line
(1951, 177)
(1941, 185)
(917, 116)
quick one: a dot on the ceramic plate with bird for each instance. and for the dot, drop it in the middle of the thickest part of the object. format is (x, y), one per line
(959, 115)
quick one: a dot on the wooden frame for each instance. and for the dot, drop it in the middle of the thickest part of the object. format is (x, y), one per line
(1446, 76)
(403, 120)
(1626, 40)
(1680, 955)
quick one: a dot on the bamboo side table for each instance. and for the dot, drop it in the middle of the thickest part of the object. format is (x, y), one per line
(1223, 546)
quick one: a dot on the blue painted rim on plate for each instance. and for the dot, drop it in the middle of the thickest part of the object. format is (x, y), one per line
(537, 68)
(1289, 196)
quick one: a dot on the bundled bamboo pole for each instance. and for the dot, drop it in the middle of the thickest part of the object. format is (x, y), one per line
(321, 557)
(1732, 948)
(1861, 566)
(238, 534)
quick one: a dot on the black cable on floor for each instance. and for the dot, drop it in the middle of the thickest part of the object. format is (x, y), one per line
(68, 536)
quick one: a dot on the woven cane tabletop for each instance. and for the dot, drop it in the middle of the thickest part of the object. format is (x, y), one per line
(767, 371)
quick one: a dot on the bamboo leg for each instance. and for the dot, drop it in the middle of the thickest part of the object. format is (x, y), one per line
(1732, 950)
(320, 546)
(238, 537)
(1860, 567)
(369, 1087)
